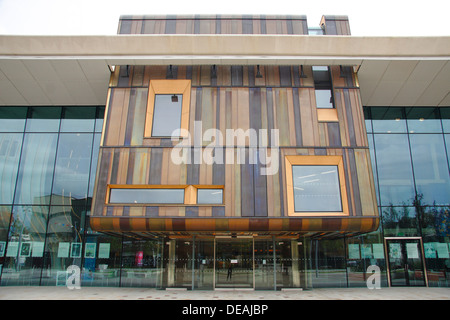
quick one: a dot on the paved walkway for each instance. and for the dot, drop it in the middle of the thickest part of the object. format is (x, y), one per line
(90, 293)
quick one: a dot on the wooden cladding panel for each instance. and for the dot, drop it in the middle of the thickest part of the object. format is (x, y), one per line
(291, 111)
(247, 193)
(213, 25)
(227, 76)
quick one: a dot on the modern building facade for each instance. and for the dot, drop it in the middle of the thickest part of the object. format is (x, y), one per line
(245, 152)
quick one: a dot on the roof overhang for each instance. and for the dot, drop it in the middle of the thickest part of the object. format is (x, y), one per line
(74, 70)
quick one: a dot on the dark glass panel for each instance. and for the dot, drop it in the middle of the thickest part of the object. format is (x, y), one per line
(445, 115)
(78, 119)
(99, 119)
(388, 120)
(431, 170)
(395, 176)
(12, 119)
(44, 119)
(423, 120)
(36, 169)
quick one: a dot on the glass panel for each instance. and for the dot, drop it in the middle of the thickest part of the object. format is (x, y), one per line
(166, 115)
(104, 270)
(316, 188)
(400, 221)
(445, 115)
(365, 251)
(323, 98)
(10, 148)
(234, 263)
(264, 264)
(423, 120)
(63, 246)
(374, 165)
(100, 118)
(12, 119)
(431, 170)
(78, 119)
(147, 196)
(94, 162)
(405, 262)
(36, 169)
(436, 250)
(204, 264)
(25, 251)
(44, 119)
(395, 176)
(368, 119)
(72, 168)
(327, 264)
(315, 31)
(288, 264)
(141, 263)
(388, 120)
(209, 196)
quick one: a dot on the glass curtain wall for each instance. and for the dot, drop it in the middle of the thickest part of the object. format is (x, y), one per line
(48, 159)
(410, 159)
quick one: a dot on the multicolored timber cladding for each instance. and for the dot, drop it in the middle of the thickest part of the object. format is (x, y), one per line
(289, 109)
(213, 24)
(127, 224)
(336, 25)
(230, 76)
(246, 192)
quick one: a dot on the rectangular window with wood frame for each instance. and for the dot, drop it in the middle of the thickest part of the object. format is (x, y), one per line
(168, 108)
(316, 186)
(323, 90)
(165, 194)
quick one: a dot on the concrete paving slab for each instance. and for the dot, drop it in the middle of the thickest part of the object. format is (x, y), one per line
(97, 293)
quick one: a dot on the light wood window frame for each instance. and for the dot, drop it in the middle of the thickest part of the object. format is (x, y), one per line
(182, 87)
(315, 161)
(190, 193)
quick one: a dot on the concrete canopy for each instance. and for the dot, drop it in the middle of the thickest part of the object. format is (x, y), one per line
(74, 70)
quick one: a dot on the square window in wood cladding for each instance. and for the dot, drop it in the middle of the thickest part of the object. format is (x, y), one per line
(300, 160)
(168, 87)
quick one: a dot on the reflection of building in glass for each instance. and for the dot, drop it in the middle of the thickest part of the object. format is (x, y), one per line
(88, 175)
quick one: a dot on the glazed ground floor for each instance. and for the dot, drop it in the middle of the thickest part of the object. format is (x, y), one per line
(245, 262)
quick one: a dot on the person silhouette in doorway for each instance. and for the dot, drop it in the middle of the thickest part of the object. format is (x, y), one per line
(230, 271)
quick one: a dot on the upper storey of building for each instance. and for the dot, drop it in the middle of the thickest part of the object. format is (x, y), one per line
(231, 24)
(75, 70)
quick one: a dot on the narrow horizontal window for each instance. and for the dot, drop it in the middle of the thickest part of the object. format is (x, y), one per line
(147, 196)
(209, 196)
(316, 189)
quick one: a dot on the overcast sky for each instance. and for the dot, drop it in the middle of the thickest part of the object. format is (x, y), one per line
(100, 17)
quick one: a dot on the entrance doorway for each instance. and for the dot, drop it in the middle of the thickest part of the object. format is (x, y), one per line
(405, 261)
(234, 263)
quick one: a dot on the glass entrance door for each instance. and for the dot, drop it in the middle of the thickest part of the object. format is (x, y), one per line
(405, 258)
(234, 263)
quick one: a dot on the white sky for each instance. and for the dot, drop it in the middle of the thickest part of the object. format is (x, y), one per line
(100, 17)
